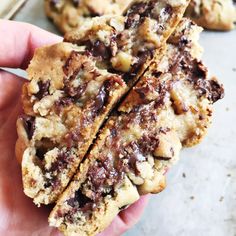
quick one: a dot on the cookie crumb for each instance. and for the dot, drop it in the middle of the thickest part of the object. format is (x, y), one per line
(184, 175)
(192, 197)
(228, 175)
(234, 69)
(221, 199)
(227, 109)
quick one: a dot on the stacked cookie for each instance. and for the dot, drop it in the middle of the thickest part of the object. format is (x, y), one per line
(71, 14)
(138, 76)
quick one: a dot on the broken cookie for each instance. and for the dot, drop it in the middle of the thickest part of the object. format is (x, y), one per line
(169, 108)
(67, 101)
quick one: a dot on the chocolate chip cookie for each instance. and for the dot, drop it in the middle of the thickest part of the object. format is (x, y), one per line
(82, 79)
(169, 108)
(72, 14)
(213, 14)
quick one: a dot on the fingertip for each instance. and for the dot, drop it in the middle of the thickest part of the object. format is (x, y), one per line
(19, 42)
(132, 214)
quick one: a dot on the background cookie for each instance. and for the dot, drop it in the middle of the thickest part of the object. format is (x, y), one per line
(213, 14)
(71, 14)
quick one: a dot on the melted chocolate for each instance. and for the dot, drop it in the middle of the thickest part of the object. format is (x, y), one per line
(73, 92)
(142, 56)
(79, 199)
(102, 97)
(43, 89)
(29, 125)
(196, 74)
(99, 49)
(63, 102)
(73, 138)
(40, 152)
(76, 3)
(137, 12)
(103, 176)
(63, 160)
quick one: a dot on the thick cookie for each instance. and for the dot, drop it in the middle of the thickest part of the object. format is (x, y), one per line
(170, 107)
(72, 14)
(67, 101)
(213, 14)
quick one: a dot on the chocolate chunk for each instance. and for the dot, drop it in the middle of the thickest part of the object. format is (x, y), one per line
(102, 97)
(148, 143)
(137, 151)
(168, 10)
(53, 3)
(183, 41)
(40, 152)
(103, 176)
(56, 5)
(164, 130)
(134, 14)
(79, 199)
(162, 158)
(198, 70)
(216, 91)
(99, 49)
(63, 160)
(74, 92)
(132, 20)
(43, 89)
(114, 132)
(137, 12)
(76, 3)
(143, 56)
(29, 125)
(63, 102)
(156, 74)
(73, 137)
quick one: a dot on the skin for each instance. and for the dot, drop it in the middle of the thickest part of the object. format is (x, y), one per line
(18, 214)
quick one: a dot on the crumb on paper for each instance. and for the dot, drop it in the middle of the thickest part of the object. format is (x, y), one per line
(228, 175)
(184, 175)
(221, 199)
(227, 109)
(192, 197)
(234, 69)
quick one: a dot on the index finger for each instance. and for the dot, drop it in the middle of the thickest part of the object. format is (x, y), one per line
(18, 42)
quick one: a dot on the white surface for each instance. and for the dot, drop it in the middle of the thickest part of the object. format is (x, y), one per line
(203, 203)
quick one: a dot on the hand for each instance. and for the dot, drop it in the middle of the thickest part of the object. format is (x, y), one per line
(18, 215)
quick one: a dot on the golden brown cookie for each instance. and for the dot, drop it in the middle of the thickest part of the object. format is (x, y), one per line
(74, 85)
(170, 107)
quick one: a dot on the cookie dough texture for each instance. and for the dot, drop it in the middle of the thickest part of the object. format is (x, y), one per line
(169, 108)
(213, 14)
(72, 14)
(65, 104)
(75, 84)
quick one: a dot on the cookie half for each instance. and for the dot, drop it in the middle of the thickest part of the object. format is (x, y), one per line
(75, 84)
(170, 107)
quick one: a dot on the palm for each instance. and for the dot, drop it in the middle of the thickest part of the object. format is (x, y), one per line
(19, 216)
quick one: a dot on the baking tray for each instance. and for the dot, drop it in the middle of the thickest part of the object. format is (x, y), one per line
(200, 198)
